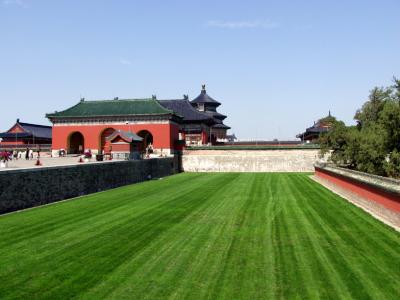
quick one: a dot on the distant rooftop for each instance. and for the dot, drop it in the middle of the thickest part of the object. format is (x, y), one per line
(29, 129)
(115, 107)
(205, 98)
(186, 110)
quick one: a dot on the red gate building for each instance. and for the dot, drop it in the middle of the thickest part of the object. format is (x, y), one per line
(163, 125)
(86, 125)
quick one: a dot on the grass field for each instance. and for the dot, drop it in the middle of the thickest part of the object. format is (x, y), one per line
(215, 236)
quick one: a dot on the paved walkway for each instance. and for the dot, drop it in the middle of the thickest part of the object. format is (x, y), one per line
(46, 162)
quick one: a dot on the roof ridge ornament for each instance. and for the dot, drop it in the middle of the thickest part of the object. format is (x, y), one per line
(203, 88)
(83, 99)
(153, 97)
(185, 97)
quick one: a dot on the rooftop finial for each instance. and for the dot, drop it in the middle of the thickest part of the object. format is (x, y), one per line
(186, 97)
(115, 98)
(203, 88)
(18, 120)
(329, 114)
(154, 97)
(82, 99)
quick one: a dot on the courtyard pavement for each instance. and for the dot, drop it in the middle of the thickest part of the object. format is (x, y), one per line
(47, 162)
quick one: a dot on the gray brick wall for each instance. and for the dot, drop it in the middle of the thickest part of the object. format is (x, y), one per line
(20, 189)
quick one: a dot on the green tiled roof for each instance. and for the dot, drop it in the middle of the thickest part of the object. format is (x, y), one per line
(120, 107)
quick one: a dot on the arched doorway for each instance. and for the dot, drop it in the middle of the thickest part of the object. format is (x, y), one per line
(103, 145)
(147, 138)
(76, 143)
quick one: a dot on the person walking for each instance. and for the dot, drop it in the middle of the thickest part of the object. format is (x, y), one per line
(27, 154)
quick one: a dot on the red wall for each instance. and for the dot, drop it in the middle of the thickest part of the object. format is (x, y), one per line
(164, 135)
(386, 199)
(12, 142)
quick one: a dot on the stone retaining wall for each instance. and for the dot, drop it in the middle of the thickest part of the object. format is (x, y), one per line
(24, 188)
(250, 161)
(378, 195)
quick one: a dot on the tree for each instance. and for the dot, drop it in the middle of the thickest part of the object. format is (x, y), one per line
(389, 119)
(371, 153)
(392, 165)
(396, 88)
(369, 113)
(373, 145)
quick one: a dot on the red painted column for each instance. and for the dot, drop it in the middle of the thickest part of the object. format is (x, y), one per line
(204, 137)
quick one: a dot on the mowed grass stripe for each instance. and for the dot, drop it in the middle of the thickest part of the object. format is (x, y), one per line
(92, 248)
(126, 204)
(355, 266)
(72, 212)
(140, 235)
(200, 236)
(245, 273)
(320, 256)
(171, 257)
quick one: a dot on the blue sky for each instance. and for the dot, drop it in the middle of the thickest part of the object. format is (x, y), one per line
(276, 66)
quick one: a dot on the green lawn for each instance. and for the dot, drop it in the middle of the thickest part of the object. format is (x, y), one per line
(208, 236)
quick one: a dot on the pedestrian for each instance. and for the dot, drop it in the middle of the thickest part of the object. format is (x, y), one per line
(27, 154)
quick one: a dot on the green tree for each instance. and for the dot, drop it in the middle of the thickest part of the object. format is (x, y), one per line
(336, 142)
(371, 153)
(369, 113)
(392, 165)
(373, 145)
(389, 119)
(396, 88)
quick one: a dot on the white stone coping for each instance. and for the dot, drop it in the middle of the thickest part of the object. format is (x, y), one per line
(76, 165)
(387, 184)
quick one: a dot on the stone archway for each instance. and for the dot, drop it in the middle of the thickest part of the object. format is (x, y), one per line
(76, 143)
(103, 135)
(147, 138)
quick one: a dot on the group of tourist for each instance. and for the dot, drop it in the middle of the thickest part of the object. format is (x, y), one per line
(28, 154)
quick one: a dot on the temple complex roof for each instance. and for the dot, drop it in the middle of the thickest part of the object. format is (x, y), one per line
(116, 107)
(181, 110)
(21, 129)
(221, 126)
(186, 110)
(321, 126)
(216, 115)
(205, 98)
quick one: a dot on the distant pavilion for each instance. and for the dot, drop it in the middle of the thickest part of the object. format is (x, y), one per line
(321, 126)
